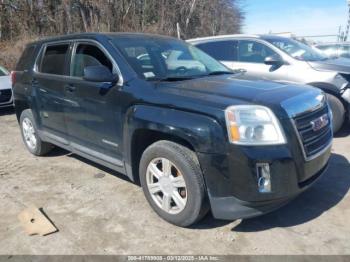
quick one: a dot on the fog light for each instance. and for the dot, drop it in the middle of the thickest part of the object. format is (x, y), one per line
(264, 178)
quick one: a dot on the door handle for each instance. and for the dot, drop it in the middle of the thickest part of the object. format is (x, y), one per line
(70, 88)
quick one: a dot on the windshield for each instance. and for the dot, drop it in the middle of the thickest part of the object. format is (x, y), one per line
(297, 49)
(167, 59)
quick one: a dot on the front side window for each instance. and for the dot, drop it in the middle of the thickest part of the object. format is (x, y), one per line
(163, 58)
(253, 52)
(54, 59)
(89, 55)
(297, 49)
(221, 50)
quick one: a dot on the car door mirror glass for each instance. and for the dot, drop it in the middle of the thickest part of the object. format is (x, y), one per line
(99, 74)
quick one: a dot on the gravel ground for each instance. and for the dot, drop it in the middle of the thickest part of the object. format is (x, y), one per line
(100, 212)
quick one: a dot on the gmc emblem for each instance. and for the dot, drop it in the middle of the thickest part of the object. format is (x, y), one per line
(320, 122)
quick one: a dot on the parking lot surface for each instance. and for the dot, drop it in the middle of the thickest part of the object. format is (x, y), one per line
(99, 211)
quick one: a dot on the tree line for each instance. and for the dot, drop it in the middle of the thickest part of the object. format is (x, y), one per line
(190, 18)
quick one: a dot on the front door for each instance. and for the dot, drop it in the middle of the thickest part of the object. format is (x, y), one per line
(251, 57)
(93, 113)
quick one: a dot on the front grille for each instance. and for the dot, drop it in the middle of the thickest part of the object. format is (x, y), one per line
(5, 95)
(313, 140)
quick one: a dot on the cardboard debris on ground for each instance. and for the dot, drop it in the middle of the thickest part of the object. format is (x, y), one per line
(35, 222)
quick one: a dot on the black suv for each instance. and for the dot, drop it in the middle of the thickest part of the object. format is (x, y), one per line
(166, 114)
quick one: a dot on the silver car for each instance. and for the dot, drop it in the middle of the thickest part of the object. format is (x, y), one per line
(276, 58)
(334, 50)
(5, 88)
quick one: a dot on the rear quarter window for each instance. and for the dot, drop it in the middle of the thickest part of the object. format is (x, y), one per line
(26, 59)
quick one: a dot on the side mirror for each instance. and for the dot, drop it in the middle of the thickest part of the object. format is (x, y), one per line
(273, 60)
(99, 74)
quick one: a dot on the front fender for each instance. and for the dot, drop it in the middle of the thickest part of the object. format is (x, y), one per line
(204, 133)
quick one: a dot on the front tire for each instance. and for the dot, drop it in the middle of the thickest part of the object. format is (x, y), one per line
(30, 135)
(173, 183)
(338, 111)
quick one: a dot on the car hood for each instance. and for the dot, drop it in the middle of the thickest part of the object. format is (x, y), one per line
(223, 91)
(5, 82)
(340, 65)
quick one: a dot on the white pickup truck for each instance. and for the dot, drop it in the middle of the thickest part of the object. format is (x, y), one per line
(6, 99)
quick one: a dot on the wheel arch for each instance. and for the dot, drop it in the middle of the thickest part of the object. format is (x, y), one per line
(144, 125)
(327, 88)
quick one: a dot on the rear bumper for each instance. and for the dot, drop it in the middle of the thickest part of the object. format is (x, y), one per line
(231, 208)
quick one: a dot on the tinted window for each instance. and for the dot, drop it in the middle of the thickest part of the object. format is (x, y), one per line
(253, 52)
(54, 59)
(26, 59)
(89, 55)
(221, 50)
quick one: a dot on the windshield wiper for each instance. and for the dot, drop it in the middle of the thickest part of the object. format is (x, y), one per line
(214, 73)
(173, 78)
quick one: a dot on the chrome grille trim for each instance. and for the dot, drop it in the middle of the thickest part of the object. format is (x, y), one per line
(325, 132)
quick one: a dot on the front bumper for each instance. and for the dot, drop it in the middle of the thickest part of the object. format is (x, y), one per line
(231, 208)
(232, 185)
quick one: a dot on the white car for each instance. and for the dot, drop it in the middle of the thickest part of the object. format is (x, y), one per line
(6, 99)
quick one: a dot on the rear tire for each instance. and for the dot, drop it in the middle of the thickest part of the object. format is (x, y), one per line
(30, 135)
(181, 203)
(338, 111)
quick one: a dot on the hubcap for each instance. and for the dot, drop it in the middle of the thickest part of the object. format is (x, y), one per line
(166, 185)
(29, 133)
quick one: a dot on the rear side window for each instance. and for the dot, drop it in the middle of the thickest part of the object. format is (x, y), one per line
(89, 55)
(26, 59)
(221, 50)
(54, 59)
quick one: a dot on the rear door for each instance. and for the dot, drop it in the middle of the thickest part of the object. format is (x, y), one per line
(49, 80)
(223, 50)
(92, 112)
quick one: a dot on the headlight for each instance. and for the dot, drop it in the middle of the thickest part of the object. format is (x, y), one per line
(253, 125)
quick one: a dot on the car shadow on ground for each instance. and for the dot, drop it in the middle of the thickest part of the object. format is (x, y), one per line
(321, 197)
(7, 111)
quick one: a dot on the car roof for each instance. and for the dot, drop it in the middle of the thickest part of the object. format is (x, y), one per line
(98, 36)
(238, 36)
